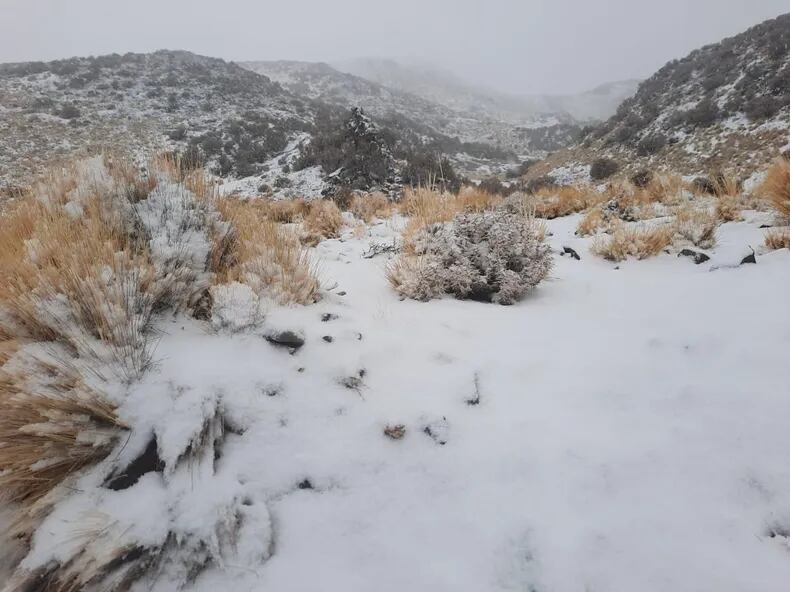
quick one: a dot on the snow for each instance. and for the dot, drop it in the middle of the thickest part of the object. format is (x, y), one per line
(630, 434)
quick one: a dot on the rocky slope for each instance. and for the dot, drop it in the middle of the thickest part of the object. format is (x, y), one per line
(725, 106)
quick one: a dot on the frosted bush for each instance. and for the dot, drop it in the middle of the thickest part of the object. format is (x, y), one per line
(495, 256)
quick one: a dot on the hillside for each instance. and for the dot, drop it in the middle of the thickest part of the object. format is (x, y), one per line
(530, 136)
(725, 106)
(238, 123)
(142, 102)
(443, 87)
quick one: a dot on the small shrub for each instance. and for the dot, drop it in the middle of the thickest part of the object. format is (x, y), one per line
(651, 144)
(562, 201)
(642, 178)
(69, 111)
(178, 133)
(494, 256)
(282, 182)
(603, 168)
(539, 183)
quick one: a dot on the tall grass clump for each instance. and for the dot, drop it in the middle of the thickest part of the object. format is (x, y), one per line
(776, 187)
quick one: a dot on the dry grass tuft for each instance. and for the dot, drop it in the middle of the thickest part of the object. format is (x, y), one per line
(728, 209)
(639, 242)
(666, 189)
(777, 238)
(323, 221)
(266, 255)
(474, 199)
(287, 211)
(776, 187)
(593, 221)
(556, 202)
(371, 206)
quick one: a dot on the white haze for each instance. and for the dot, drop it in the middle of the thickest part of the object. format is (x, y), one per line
(520, 46)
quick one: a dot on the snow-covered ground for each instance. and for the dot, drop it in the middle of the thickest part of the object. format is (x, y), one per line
(629, 432)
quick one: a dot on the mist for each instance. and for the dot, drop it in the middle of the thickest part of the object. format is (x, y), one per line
(530, 47)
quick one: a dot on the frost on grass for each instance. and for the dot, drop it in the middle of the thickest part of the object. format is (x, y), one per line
(494, 256)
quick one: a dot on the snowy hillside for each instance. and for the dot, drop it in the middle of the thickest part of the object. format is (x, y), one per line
(531, 136)
(443, 87)
(724, 107)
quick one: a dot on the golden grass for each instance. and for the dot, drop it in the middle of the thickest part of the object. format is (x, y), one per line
(371, 206)
(323, 221)
(666, 189)
(728, 209)
(776, 187)
(639, 242)
(287, 211)
(778, 238)
(266, 255)
(556, 202)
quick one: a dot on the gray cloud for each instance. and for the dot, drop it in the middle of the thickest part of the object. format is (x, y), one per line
(528, 46)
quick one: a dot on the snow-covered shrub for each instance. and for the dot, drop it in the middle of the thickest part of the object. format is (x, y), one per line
(235, 307)
(493, 256)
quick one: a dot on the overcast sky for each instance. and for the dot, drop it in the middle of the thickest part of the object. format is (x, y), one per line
(526, 46)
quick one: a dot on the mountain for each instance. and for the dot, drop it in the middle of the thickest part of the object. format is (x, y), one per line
(725, 106)
(528, 137)
(445, 88)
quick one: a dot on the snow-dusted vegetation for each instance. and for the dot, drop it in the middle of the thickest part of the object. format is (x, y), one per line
(192, 398)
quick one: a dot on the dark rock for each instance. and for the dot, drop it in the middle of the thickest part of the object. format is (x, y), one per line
(749, 258)
(286, 339)
(328, 338)
(696, 255)
(341, 293)
(147, 462)
(328, 316)
(766, 226)
(305, 484)
(571, 252)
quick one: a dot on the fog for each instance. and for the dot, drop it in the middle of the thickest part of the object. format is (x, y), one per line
(519, 46)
